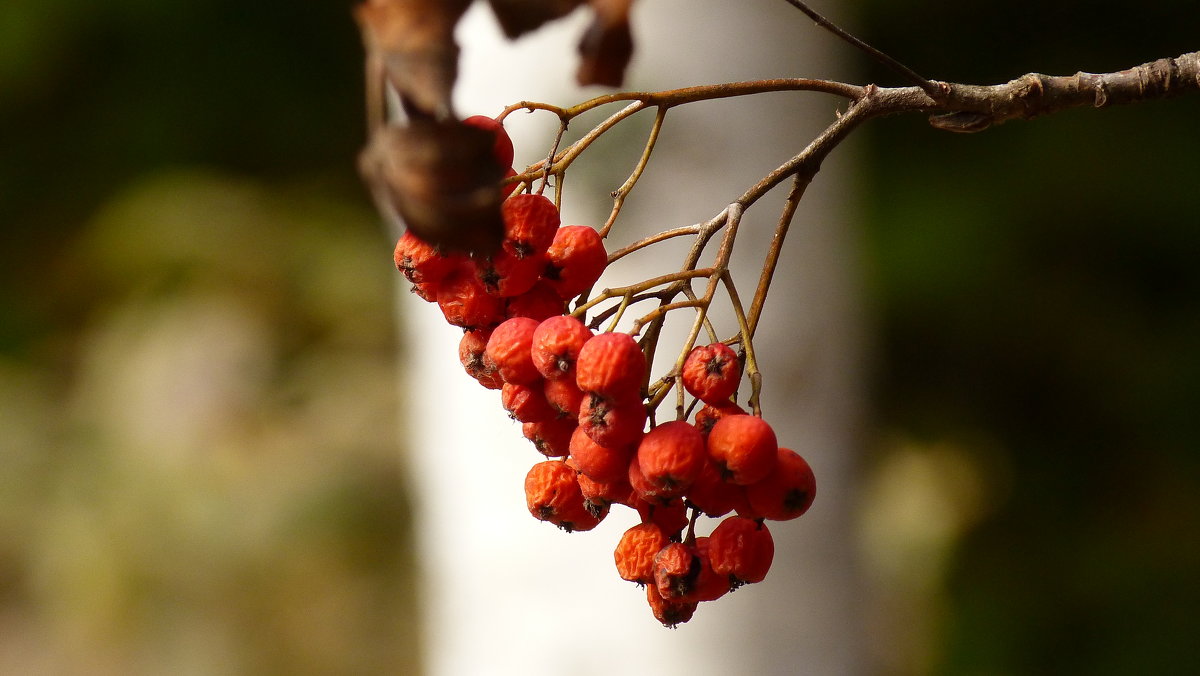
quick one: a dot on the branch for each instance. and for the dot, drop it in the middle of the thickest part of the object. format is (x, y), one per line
(971, 108)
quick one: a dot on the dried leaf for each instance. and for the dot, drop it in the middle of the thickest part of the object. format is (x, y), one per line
(518, 17)
(607, 45)
(441, 179)
(414, 39)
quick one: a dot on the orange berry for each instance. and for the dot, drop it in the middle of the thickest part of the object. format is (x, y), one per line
(600, 463)
(564, 397)
(551, 438)
(526, 403)
(530, 222)
(787, 492)
(503, 149)
(540, 302)
(612, 422)
(671, 612)
(464, 302)
(478, 366)
(743, 447)
(671, 456)
(509, 349)
(611, 365)
(711, 373)
(552, 494)
(635, 552)
(574, 260)
(741, 549)
(556, 345)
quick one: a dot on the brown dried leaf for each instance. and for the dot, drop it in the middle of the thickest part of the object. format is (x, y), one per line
(607, 44)
(441, 179)
(415, 41)
(518, 17)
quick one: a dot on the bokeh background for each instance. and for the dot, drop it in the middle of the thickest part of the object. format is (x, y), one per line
(202, 470)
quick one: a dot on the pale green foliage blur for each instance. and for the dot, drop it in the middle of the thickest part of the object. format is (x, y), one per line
(198, 411)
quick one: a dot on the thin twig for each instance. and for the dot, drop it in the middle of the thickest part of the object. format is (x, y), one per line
(909, 74)
(620, 193)
(772, 258)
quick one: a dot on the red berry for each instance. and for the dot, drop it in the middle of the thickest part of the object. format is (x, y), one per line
(741, 549)
(683, 572)
(506, 275)
(509, 349)
(478, 366)
(598, 496)
(708, 416)
(503, 150)
(787, 492)
(564, 398)
(612, 422)
(530, 222)
(744, 448)
(539, 302)
(674, 574)
(711, 373)
(507, 189)
(671, 515)
(526, 403)
(635, 552)
(556, 345)
(712, 495)
(600, 463)
(552, 494)
(671, 612)
(464, 302)
(575, 260)
(421, 262)
(645, 489)
(671, 456)
(611, 365)
(551, 438)
(709, 586)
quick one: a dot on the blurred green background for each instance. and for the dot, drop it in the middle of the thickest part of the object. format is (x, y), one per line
(1036, 298)
(198, 409)
(201, 472)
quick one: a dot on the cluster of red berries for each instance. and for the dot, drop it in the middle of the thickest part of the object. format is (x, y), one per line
(581, 399)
